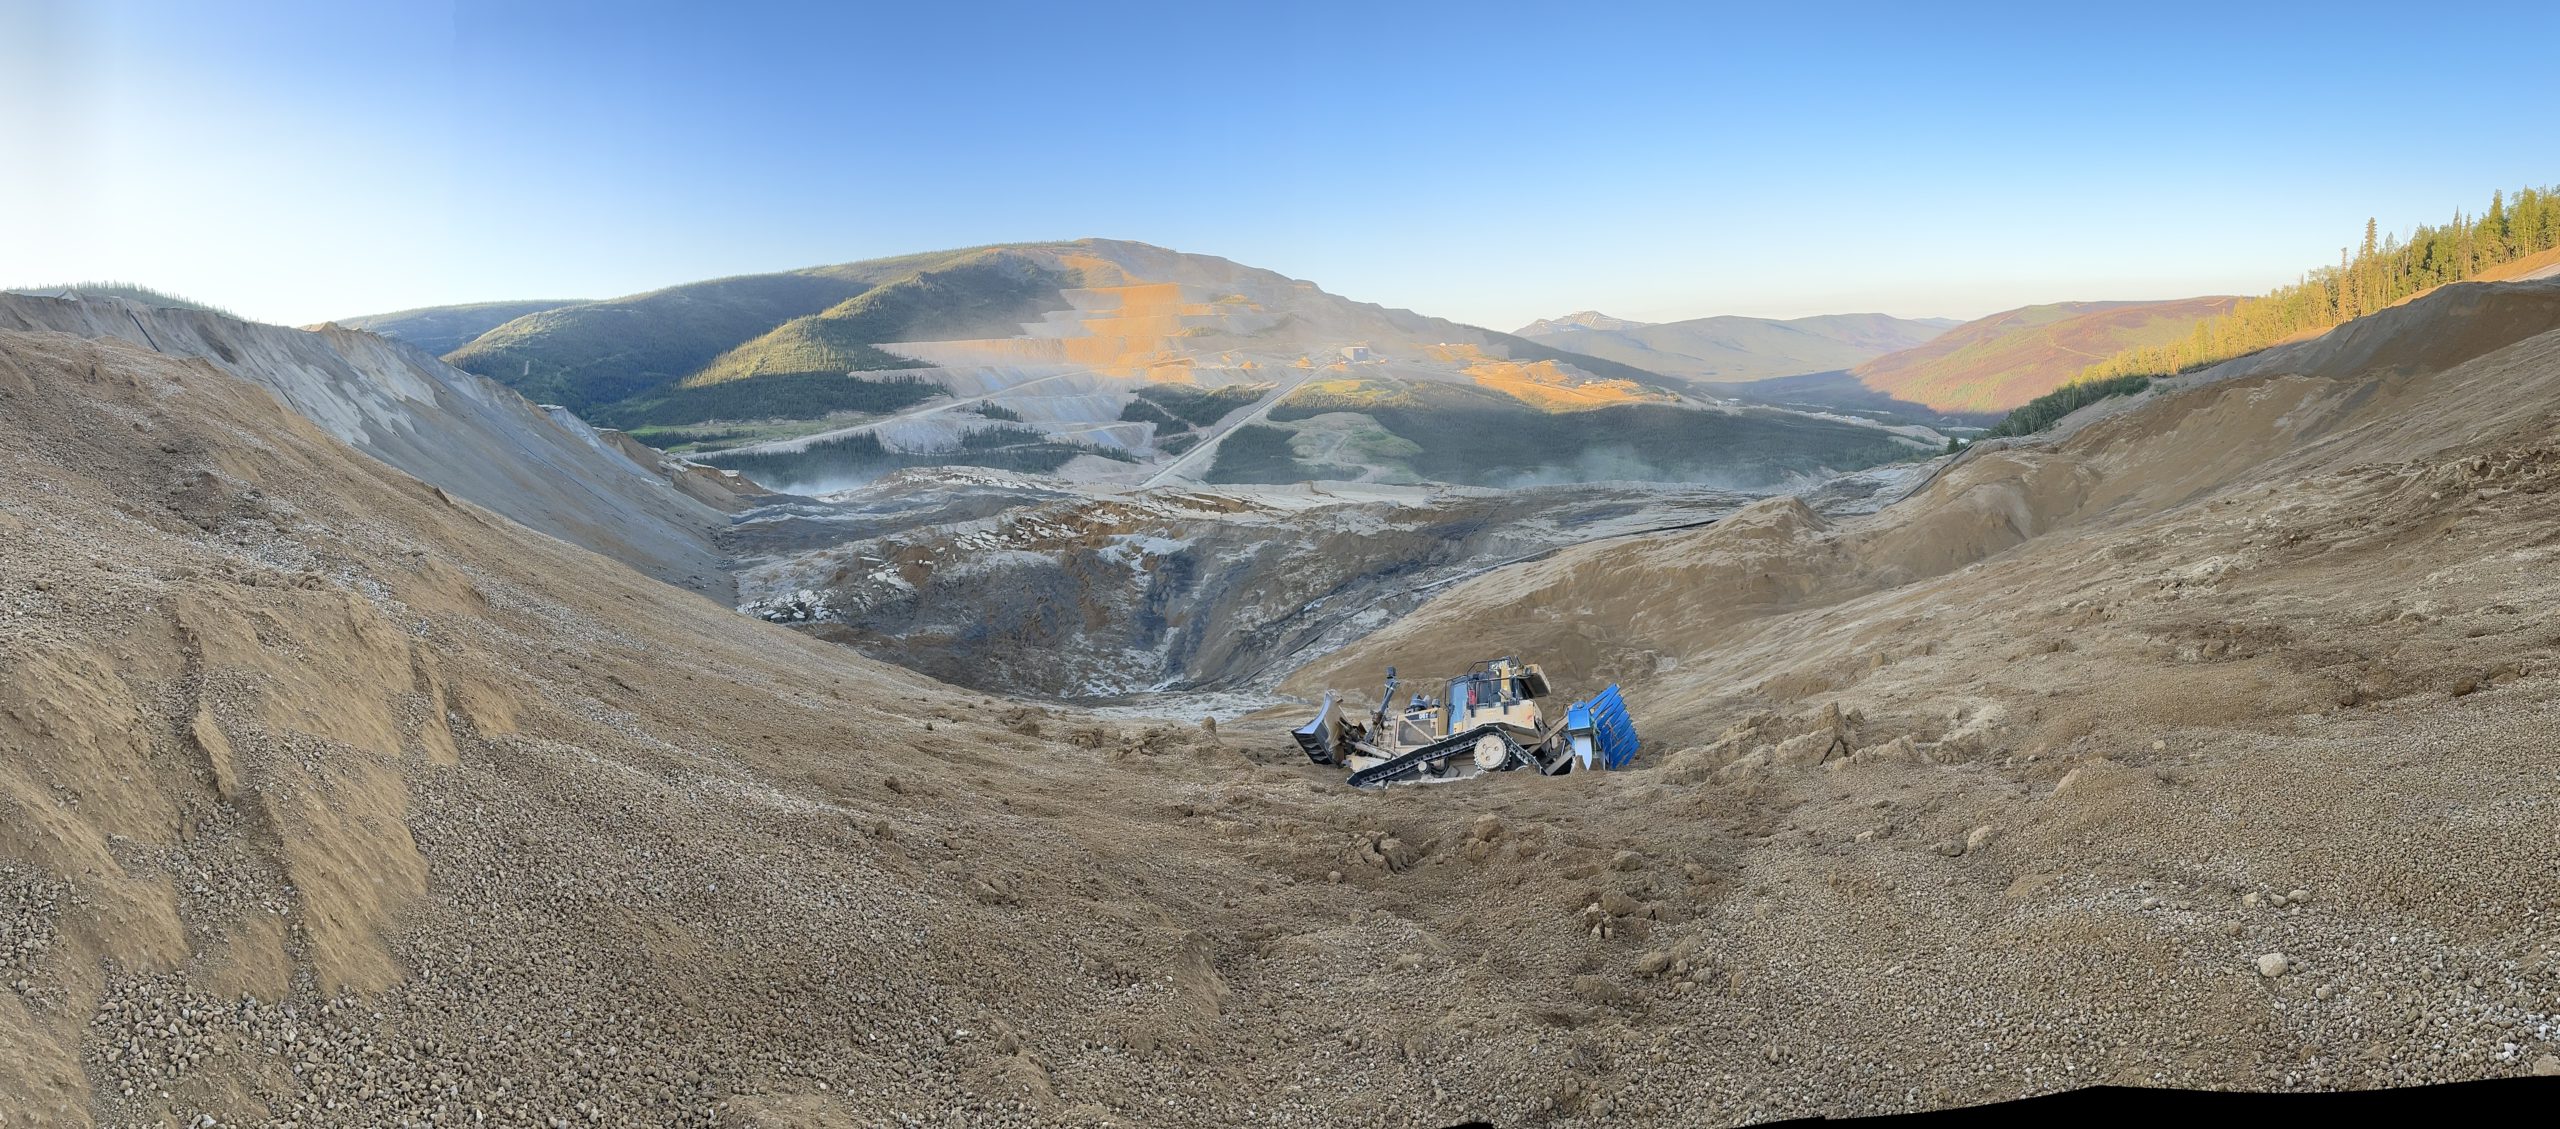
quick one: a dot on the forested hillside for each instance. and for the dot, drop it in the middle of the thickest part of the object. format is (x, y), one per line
(2383, 270)
(443, 329)
(1996, 363)
(595, 356)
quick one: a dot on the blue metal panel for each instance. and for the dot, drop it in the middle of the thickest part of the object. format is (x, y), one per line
(1617, 731)
(1577, 726)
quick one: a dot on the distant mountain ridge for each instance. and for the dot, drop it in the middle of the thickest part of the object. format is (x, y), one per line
(1996, 363)
(1112, 360)
(443, 329)
(1586, 319)
(1730, 349)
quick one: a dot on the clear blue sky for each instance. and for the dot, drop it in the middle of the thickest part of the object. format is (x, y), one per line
(1475, 161)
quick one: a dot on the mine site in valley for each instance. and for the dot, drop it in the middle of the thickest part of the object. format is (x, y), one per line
(885, 659)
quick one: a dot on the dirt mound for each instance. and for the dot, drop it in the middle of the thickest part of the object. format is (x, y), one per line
(288, 729)
(470, 437)
(2450, 325)
(2400, 385)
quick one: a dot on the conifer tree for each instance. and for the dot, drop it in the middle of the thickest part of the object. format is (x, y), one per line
(2380, 271)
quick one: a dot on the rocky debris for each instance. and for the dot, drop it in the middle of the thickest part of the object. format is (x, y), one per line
(1765, 740)
(1829, 737)
(1384, 851)
(994, 890)
(1154, 741)
(1598, 989)
(30, 906)
(1900, 750)
(2273, 964)
(1484, 838)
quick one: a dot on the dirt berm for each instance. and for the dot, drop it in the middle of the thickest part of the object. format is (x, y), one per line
(2212, 745)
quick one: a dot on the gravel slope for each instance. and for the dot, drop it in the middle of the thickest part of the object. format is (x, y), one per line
(460, 432)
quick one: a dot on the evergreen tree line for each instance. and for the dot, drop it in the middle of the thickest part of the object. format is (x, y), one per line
(2037, 414)
(2380, 271)
(133, 290)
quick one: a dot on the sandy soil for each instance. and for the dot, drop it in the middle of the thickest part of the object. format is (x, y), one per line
(2212, 745)
(465, 434)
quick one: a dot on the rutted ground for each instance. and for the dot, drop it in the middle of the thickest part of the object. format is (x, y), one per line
(333, 800)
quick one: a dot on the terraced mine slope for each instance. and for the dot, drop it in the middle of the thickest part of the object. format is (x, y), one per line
(1011, 583)
(1102, 360)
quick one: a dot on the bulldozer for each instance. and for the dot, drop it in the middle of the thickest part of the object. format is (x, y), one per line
(1487, 720)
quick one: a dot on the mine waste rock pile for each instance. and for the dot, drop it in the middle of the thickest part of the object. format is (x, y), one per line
(2211, 740)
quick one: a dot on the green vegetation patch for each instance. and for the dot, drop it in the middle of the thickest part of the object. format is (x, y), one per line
(1202, 406)
(1368, 440)
(2384, 270)
(127, 290)
(1145, 411)
(834, 464)
(603, 352)
(2037, 414)
(992, 295)
(810, 344)
(1451, 433)
(1318, 397)
(797, 396)
(1256, 453)
(686, 438)
(595, 353)
(443, 329)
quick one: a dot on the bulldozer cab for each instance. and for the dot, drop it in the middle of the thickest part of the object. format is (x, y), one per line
(1495, 690)
(1421, 723)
